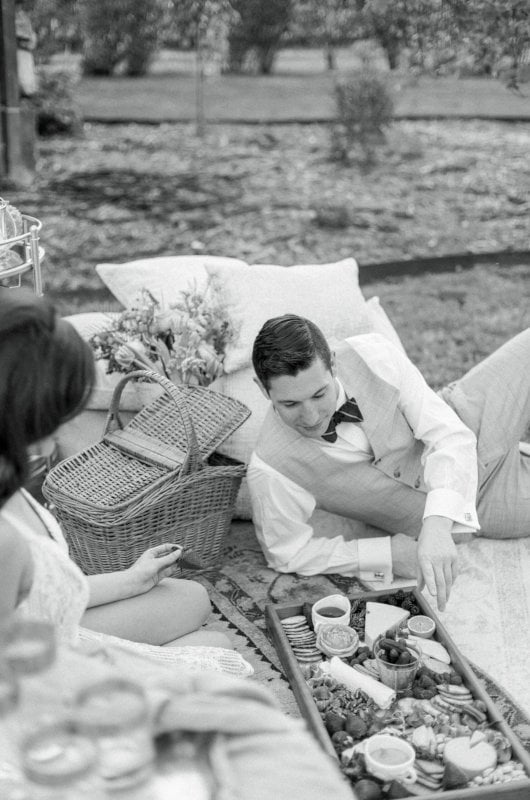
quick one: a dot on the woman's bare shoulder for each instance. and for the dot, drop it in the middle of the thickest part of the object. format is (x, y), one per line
(16, 567)
(13, 546)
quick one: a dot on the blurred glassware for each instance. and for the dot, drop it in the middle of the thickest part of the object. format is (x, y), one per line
(60, 764)
(29, 648)
(114, 713)
(11, 777)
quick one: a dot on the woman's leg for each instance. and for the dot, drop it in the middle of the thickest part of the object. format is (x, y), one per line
(172, 609)
(202, 638)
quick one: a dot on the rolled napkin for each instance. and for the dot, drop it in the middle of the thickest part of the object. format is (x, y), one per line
(352, 679)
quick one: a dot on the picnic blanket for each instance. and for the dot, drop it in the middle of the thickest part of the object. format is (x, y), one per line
(488, 614)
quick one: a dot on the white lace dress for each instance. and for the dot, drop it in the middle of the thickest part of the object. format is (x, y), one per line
(59, 593)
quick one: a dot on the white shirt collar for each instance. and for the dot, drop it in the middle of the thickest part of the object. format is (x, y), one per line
(341, 394)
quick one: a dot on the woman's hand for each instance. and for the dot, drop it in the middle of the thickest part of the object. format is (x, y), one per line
(154, 565)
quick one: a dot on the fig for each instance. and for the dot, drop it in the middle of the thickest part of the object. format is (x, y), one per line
(366, 789)
(362, 657)
(355, 726)
(375, 727)
(353, 771)
(322, 693)
(334, 722)
(341, 740)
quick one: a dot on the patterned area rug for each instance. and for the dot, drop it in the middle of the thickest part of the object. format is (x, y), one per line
(241, 587)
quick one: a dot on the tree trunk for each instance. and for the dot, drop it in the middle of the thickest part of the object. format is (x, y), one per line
(330, 56)
(266, 56)
(392, 50)
(17, 132)
(200, 122)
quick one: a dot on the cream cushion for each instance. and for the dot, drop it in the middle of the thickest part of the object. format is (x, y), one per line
(165, 277)
(327, 294)
(380, 322)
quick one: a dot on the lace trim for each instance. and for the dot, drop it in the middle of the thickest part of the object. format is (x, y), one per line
(196, 658)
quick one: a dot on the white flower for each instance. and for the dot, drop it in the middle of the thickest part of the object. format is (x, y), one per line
(140, 337)
(124, 356)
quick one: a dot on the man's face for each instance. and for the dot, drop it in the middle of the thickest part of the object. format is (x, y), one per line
(306, 401)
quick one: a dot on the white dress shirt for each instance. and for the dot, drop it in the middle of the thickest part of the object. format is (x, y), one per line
(285, 515)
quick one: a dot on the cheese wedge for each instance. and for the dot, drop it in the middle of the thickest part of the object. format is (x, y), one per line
(432, 648)
(380, 618)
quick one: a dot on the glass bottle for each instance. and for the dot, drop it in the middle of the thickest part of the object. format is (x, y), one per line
(114, 713)
(183, 766)
(12, 783)
(30, 651)
(60, 764)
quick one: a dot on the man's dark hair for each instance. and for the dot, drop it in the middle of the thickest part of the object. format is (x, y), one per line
(287, 344)
(46, 376)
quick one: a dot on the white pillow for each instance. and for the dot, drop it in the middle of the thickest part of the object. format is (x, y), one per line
(380, 322)
(165, 277)
(88, 323)
(327, 294)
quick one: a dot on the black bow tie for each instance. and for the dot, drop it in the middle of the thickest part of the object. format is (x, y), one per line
(348, 412)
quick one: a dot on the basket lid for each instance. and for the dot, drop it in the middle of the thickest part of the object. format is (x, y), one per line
(171, 437)
(214, 416)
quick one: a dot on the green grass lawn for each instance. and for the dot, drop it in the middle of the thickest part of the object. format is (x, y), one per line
(300, 88)
(283, 98)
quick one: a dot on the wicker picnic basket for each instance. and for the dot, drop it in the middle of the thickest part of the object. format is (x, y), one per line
(157, 479)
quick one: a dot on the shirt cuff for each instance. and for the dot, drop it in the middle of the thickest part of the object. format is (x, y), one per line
(375, 559)
(451, 504)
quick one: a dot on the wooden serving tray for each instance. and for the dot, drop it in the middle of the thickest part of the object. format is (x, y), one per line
(518, 790)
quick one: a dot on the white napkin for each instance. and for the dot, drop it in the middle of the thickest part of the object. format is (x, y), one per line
(383, 695)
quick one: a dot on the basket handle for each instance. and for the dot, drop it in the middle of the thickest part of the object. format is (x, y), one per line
(164, 455)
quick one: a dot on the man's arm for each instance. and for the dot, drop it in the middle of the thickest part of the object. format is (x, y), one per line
(282, 513)
(450, 469)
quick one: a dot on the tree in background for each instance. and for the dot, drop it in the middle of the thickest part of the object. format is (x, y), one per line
(257, 31)
(205, 24)
(414, 25)
(121, 32)
(57, 27)
(496, 33)
(328, 24)
(487, 33)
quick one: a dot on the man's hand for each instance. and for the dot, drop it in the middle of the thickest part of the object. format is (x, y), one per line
(404, 555)
(437, 558)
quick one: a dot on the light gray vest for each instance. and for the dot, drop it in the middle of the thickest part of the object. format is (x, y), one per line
(388, 492)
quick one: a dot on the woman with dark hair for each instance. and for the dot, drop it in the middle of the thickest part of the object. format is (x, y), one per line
(46, 376)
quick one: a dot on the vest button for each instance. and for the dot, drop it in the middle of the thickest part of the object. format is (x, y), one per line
(417, 484)
(397, 473)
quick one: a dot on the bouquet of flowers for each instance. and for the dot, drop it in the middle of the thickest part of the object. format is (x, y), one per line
(186, 342)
